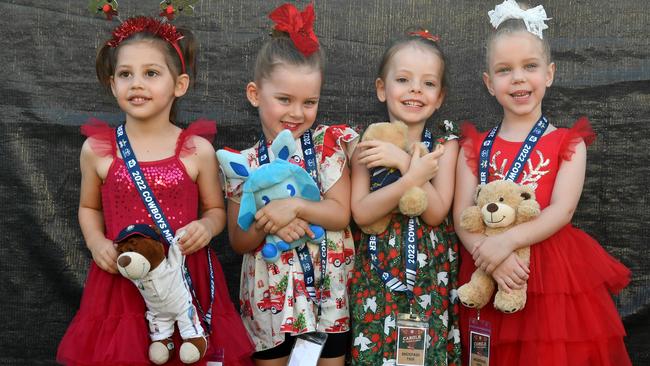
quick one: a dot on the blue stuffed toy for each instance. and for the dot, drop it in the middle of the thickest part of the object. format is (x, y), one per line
(277, 180)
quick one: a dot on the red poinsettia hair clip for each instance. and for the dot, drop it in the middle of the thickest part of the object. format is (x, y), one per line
(299, 26)
(426, 35)
(156, 27)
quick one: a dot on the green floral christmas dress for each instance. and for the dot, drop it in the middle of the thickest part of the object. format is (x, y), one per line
(375, 308)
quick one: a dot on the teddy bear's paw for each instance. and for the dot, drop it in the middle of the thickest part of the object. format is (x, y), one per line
(160, 351)
(509, 303)
(192, 350)
(469, 297)
(377, 227)
(413, 202)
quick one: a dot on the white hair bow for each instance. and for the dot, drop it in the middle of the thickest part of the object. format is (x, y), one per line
(533, 18)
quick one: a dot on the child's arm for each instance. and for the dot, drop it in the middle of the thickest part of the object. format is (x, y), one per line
(375, 154)
(332, 212)
(368, 207)
(242, 241)
(440, 191)
(466, 183)
(564, 200)
(91, 218)
(212, 221)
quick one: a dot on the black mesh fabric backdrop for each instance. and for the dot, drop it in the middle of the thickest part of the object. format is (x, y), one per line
(48, 90)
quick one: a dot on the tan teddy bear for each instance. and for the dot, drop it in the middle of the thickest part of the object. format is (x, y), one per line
(414, 201)
(500, 205)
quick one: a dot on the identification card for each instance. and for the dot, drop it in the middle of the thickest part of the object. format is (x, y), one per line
(307, 349)
(411, 343)
(215, 358)
(479, 342)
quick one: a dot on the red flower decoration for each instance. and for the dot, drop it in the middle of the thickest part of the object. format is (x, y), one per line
(299, 26)
(426, 35)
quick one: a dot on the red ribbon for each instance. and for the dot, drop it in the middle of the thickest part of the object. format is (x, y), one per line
(299, 26)
(426, 35)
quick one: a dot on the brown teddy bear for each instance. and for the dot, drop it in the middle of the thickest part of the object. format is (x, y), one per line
(500, 205)
(160, 282)
(414, 201)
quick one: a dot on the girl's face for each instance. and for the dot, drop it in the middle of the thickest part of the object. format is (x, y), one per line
(287, 99)
(518, 75)
(143, 84)
(412, 88)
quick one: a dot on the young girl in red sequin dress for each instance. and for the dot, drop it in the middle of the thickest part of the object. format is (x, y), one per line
(146, 66)
(569, 317)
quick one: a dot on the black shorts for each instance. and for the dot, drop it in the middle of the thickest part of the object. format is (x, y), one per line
(336, 346)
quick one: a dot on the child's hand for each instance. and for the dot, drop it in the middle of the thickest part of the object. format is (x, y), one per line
(104, 254)
(424, 168)
(295, 230)
(276, 214)
(383, 154)
(489, 253)
(511, 274)
(197, 235)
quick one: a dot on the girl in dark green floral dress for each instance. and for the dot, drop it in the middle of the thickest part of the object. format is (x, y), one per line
(411, 82)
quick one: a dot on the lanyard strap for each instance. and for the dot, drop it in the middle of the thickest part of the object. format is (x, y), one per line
(158, 216)
(522, 156)
(410, 254)
(381, 179)
(304, 257)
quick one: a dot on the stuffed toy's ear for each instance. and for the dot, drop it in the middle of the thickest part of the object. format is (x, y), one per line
(234, 165)
(527, 192)
(284, 145)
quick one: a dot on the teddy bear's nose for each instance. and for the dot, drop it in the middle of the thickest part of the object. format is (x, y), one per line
(492, 207)
(124, 260)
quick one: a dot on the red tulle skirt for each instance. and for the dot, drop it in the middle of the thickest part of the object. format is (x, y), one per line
(110, 327)
(569, 318)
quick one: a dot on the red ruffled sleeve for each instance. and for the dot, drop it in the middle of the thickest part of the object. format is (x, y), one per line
(581, 131)
(101, 137)
(202, 127)
(469, 135)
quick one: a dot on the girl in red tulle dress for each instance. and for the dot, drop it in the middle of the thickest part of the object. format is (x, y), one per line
(569, 317)
(145, 65)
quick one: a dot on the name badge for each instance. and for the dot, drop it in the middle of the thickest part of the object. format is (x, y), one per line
(479, 342)
(307, 349)
(411, 342)
(215, 358)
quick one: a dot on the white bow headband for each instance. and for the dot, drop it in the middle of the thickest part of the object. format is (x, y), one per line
(533, 18)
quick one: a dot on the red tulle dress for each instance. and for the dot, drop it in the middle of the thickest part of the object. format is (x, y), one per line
(570, 317)
(110, 327)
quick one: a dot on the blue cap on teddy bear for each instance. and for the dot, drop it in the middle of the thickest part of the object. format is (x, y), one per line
(137, 229)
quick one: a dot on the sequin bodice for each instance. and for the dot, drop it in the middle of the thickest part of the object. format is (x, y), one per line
(174, 189)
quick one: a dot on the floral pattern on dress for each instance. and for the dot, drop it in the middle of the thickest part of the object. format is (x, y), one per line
(273, 296)
(375, 308)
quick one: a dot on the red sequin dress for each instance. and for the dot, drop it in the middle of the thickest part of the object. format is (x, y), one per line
(569, 318)
(110, 327)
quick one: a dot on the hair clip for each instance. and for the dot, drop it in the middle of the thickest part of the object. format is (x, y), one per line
(299, 26)
(106, 7)
(171, 8)
(426, 35)
(533, 18)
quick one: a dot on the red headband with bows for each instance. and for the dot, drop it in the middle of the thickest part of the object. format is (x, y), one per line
(299, 26)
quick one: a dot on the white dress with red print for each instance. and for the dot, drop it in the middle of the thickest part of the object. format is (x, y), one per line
(273, 297)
